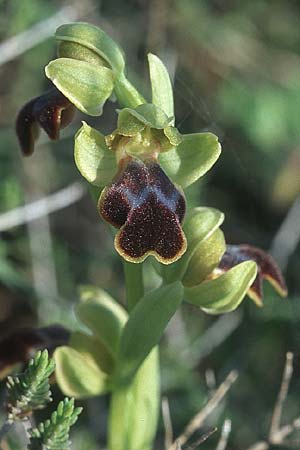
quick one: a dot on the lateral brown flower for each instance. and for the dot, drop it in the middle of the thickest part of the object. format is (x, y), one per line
(51, 111)
(266, 269)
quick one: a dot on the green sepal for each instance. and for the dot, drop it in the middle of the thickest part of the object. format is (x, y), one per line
(95, 39)
(205, 259)
(82, 367)
(200, 224)
(193, 157)
(145, 327)
(225, 293)
(94, 160)
(103, 316)
(87, 86)
(162, 91)
(134, 409)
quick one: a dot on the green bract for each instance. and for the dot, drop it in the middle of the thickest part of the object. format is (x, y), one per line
(145, 327)
(205, 258)
(84, 84)
(199, 225)
(98, 307)
(82, 367)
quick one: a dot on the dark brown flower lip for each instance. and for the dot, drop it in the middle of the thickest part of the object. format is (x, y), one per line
(51, 111)
(148, 210)
(266, 269)
(22, 343)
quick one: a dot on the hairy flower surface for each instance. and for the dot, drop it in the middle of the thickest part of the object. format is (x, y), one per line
(148, 209)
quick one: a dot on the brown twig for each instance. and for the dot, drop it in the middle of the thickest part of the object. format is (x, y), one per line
(198, 420)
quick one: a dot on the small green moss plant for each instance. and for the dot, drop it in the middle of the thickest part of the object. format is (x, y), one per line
(138, 174)
(30, 391)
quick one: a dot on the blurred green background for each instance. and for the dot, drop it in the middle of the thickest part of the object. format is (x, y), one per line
(236, 72)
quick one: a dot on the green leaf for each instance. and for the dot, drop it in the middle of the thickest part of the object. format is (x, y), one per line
(95, 39)
(200, 224)
(162, 91)
(193, 157)
(87, 86)
(205, 259)
(103, 316)
(82, 367)
(225, 293)
(145, 327)
(134, 409)
(95, 161)
(131, 121)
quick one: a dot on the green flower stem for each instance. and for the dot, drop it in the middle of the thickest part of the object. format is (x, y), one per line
(127, 95)
(133, 283)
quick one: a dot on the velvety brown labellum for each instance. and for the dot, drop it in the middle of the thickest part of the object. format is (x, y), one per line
(266, 269)
(148, 209)
(51, 111)
(19, 346)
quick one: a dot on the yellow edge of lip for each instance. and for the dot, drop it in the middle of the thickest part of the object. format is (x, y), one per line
(150, 252)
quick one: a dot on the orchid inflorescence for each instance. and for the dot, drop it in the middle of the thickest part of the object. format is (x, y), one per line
(140, 170)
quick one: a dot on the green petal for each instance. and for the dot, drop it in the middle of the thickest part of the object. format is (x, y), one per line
(103, 316)
(87, 86)
(80, 367)
(128, 122)
(225, 293)
(95, 161)
(200, 223)
(145, 327)
(134, 409)
(144, 115)
(205, 259)
(162, 91)
(193, 157)
(173, 135)
(95, 39)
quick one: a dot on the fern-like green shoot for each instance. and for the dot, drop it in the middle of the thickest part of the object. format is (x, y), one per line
(53, 434)
(30, 390)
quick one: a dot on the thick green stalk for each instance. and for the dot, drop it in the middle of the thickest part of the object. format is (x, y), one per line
(134, 283)
(134, 409)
